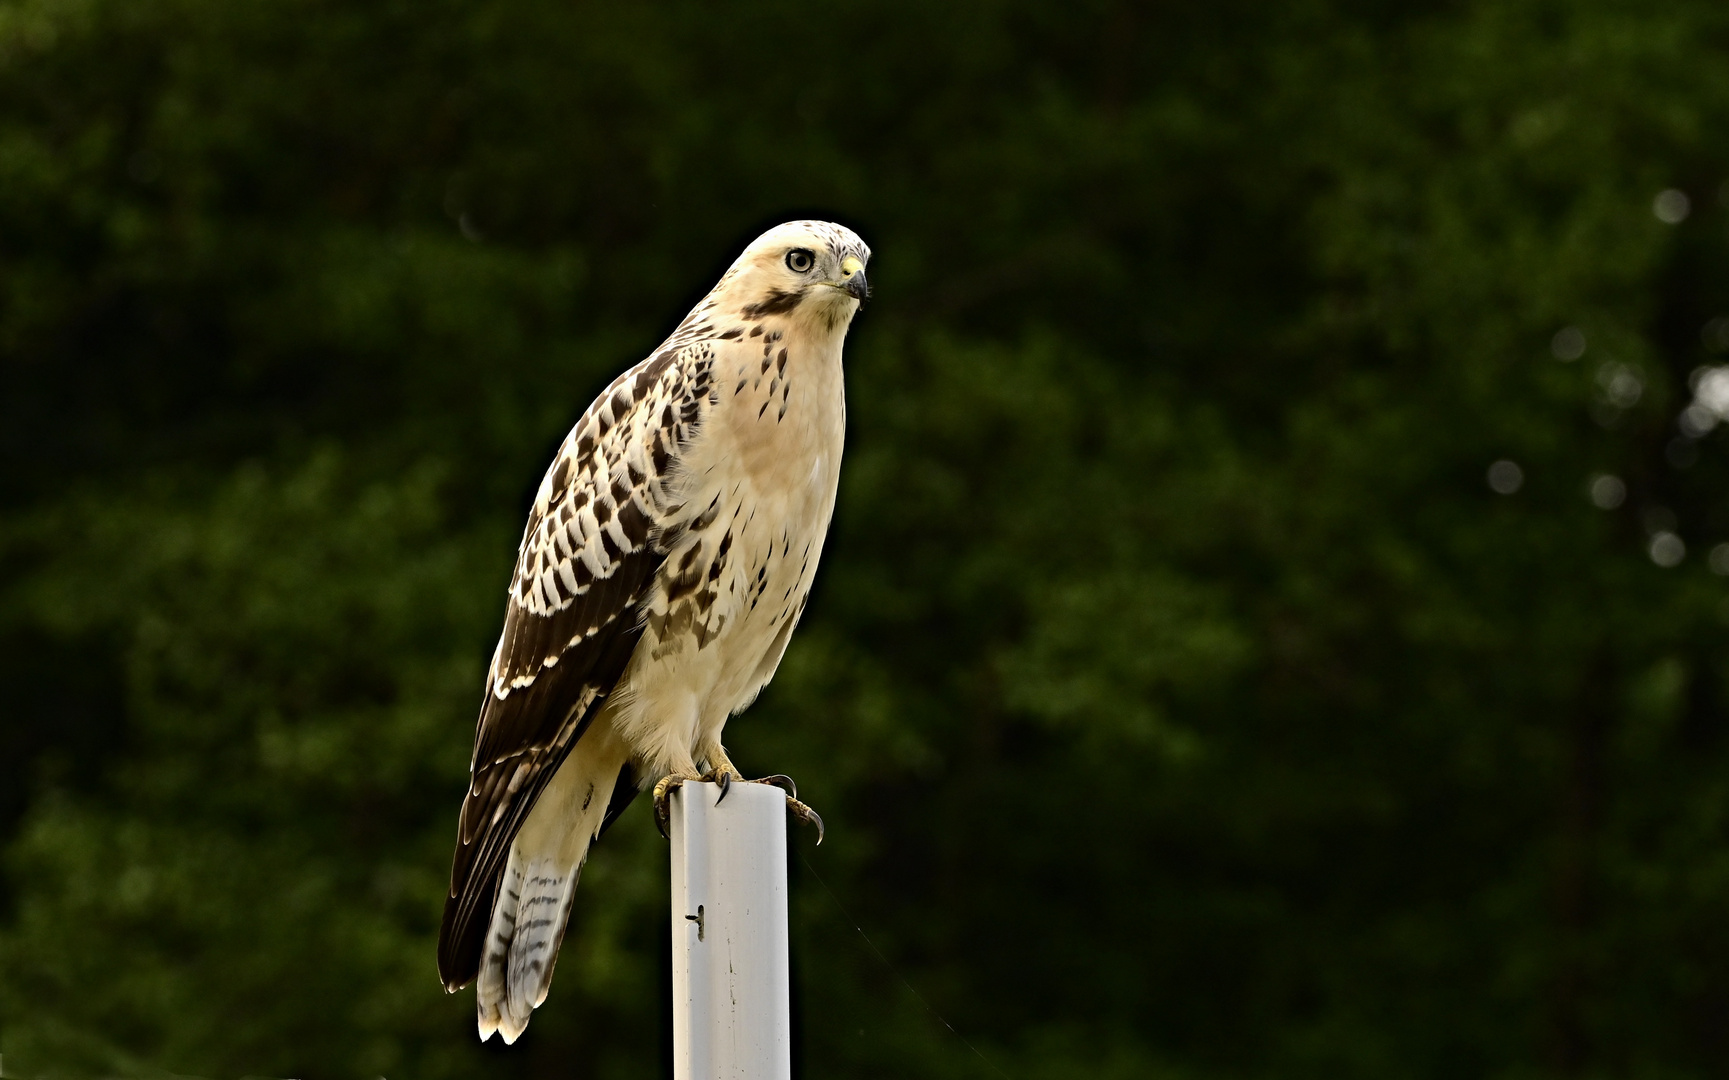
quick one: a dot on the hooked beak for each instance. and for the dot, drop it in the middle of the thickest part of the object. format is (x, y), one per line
(853, 281)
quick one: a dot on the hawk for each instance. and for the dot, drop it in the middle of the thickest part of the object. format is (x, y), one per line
(666, 561)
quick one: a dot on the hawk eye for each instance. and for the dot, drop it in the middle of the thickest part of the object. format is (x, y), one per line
(800, 260)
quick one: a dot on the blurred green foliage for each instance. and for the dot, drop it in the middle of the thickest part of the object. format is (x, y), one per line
(1181, 699)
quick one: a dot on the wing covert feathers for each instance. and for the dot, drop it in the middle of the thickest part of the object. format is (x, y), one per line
(600, 528)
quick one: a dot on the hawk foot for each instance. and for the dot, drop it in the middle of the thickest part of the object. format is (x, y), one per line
(800, 812)
(804, 815)
(663, 790)
(725, 774)
(723, 777)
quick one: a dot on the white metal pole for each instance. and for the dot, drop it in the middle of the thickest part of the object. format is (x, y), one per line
(731, 995)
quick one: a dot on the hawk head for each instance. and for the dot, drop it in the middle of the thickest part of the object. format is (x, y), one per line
(810, 269)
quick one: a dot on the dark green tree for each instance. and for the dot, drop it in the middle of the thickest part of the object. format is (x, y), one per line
(1187, 690)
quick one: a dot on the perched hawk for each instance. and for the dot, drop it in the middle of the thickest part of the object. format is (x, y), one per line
(666, 561)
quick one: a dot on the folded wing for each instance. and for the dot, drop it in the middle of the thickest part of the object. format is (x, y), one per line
(599, 530)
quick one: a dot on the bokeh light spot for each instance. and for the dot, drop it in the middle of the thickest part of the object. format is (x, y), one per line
(1719, 560)
(1568, 343)
(1711, 389)
(1505, 477)
(1671, 206)
(1621, 385)
(1667, 550)
(1608, 492)
(1696, 421)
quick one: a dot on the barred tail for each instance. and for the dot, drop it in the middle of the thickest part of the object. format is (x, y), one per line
(539, 883)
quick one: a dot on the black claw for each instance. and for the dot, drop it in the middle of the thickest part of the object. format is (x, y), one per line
(783, 782)
(725, 782)
(662, 810)
(801, 812)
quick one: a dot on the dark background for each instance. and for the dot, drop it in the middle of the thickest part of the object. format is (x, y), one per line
(1181, 698)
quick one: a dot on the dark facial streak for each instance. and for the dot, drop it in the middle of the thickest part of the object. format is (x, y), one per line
(778, 302)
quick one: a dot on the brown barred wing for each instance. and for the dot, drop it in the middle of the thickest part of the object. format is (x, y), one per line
(529, 733)
(594, 541)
